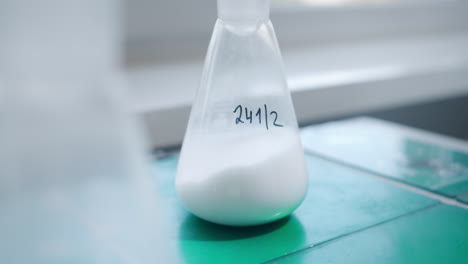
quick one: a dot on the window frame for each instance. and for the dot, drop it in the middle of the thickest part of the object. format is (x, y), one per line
(153, 35)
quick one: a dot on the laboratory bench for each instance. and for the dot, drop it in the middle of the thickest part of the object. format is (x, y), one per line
(378, 192)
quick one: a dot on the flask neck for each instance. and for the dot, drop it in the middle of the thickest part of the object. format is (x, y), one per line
(243, 11)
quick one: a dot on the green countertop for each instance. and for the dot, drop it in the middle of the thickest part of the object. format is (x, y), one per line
(425, 160)
(347, 210)
(434, 235)
(340, 201)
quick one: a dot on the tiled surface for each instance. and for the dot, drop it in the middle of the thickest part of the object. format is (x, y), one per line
(425, 160)
(340, 201)
(435, 235)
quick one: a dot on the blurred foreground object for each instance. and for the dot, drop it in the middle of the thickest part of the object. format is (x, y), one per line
(74, 183)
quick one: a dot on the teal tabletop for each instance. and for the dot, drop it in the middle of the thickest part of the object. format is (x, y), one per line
(435, 235)
(340, 201)
(425, 160)
(350, 215)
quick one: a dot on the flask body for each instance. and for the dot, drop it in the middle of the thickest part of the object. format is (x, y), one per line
(242, 162)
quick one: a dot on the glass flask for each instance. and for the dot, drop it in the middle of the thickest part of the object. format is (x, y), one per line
(242, 161)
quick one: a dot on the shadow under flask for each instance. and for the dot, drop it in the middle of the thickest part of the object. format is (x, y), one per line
(242, 162)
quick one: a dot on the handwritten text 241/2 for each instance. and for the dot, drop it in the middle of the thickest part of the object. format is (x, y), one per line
(262, 115)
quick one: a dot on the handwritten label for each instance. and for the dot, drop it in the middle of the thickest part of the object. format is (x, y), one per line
(261, 115)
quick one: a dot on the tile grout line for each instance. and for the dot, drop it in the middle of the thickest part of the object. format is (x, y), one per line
(334, 239)
(432, 195)
(288, 254)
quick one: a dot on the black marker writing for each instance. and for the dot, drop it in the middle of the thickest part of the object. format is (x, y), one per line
(261, 111)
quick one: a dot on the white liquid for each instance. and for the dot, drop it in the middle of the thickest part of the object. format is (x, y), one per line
(242, 179)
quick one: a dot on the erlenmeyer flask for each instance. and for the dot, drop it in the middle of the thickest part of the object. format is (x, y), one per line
(242, 162)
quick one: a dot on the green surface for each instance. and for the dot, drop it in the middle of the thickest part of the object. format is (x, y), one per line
(435, 235)
(340, 201)
(408, 155)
